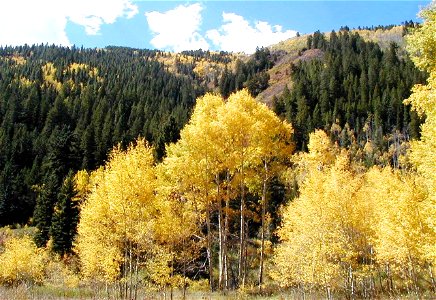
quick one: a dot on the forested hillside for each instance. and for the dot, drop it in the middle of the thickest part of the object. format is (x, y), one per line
(141, 171)
(344, 81)
(63, 109)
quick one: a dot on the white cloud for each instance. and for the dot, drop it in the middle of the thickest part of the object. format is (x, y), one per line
(177, 29)
(237, 35)
(44, 21)
(93, 13)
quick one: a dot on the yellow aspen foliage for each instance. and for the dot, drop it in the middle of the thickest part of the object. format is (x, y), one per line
(21, 261)
(347, 225)
(237, 122)
(49, 74)
(320, 231)
(402, 222)
(423, 151)
(192, 162)
(118, 217)
(157, 268)
(322, 153)
(83, 183)
(421, 44)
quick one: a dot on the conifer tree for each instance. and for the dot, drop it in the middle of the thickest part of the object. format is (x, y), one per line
(42, 215)
(65, 217)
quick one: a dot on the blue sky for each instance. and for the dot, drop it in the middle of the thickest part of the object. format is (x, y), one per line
(183, 25)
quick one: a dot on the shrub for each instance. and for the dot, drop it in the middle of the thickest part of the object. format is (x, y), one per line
(21, 261)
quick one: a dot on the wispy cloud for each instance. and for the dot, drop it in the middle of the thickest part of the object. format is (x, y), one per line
(177, 29)
(238, 35)
(44, 21)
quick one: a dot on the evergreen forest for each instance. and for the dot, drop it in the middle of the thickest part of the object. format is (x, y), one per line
(128, 173)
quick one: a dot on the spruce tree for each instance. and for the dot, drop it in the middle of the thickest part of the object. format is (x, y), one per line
(42, 215)
(65, 217)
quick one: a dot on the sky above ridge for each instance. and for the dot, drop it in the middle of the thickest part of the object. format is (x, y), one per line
(238, 26)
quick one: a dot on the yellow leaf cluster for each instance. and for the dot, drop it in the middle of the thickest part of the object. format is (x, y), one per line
(75, 67)
(421, 44)
(19, 60)
(422, 47)
(402, 223)
(317, 232)
(49, 75)
(21, 261)
(345, 224)
(118, 211)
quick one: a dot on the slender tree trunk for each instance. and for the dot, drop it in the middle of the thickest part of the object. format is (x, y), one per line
(328, 292)
(172, 274)
(209, 246)
(241, 271)
(380, 281)
(226, 235)
(220, 237)
(262, 237)
(209, 233)
(389, 279)
(351, 278)
(433, 284)
(184, 273)
(126, 261)
(136, 274)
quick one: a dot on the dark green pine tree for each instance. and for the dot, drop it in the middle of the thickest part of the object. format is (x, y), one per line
(65, 217)
(42, 215)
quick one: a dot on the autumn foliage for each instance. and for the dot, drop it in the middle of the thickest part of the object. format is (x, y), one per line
(230, 204)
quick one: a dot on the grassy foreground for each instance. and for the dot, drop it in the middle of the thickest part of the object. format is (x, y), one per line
(23, 292)
(52, 292)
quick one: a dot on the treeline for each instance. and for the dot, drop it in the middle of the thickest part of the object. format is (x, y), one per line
(347, 81)
(406, 25)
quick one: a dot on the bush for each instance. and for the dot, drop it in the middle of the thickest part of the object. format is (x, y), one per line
(21, 262)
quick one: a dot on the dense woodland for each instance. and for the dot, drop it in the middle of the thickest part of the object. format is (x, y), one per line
(346, 81)
(141, 170)
(63, 109)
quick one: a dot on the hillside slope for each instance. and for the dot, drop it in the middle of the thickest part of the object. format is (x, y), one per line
(295, 49)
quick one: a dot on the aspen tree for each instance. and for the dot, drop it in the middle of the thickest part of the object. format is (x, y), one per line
(117, 222)
(403, 237)
(194, 161)
(272, 139)
(421, 44)
(323, 236)
(226, 149)
(237, 120)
